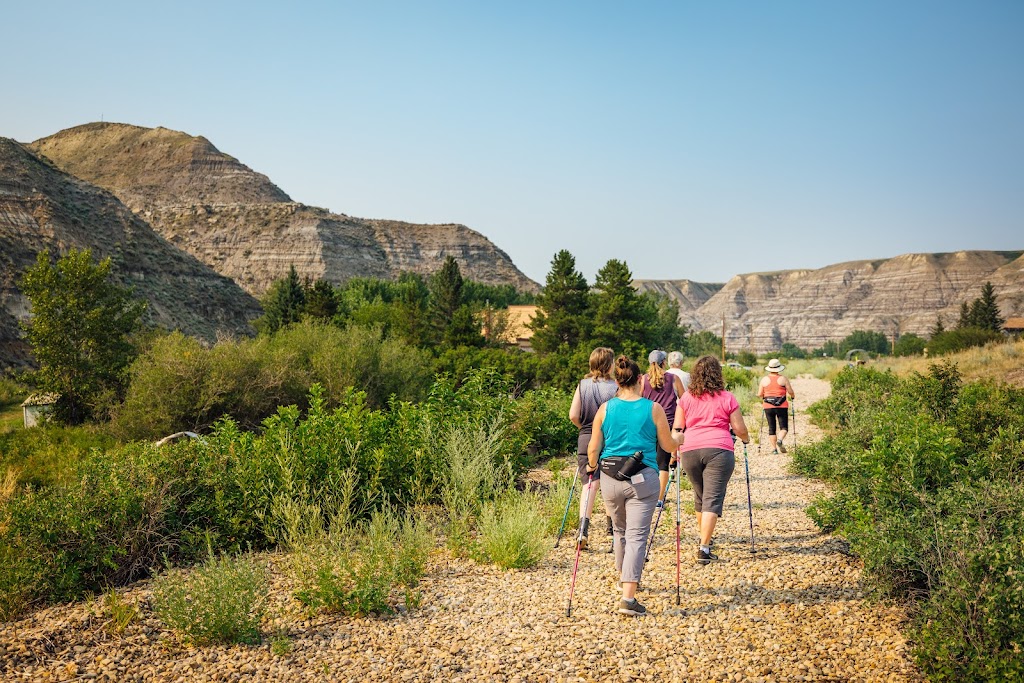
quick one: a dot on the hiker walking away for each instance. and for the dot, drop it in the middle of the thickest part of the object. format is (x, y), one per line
(675, 367)
(593, 391)
(772, 391)
(627, 431)
(708, 457)
(665, 390)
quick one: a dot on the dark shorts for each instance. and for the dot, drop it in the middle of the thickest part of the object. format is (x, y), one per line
(781, 414)
(709, 470)
(663, 459)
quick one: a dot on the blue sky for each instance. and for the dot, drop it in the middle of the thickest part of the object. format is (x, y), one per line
(692, 139)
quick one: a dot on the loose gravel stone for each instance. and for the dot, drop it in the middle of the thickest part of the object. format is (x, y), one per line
(794, 610)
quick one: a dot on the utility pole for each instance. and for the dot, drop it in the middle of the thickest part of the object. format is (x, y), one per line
(723, 337)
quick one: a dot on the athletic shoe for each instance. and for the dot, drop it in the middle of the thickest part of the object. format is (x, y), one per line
(611, 547)
(782, 447)
(775, 452)
(706, 558)
(582, 541)
(632, 608)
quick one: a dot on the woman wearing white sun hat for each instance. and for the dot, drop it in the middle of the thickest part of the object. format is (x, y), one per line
(773, 391)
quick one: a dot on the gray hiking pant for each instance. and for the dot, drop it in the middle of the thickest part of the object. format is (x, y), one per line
(630, 507)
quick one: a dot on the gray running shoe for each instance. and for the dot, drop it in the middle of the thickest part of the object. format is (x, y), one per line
(632, 608)
(782, 447)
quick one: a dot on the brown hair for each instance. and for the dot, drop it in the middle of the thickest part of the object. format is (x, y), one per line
(601, 363)
(706, 377)
(627, 372)
(656, 373)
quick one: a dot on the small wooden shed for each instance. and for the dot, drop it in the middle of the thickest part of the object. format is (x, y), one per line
(1014, 326)
(36, 407)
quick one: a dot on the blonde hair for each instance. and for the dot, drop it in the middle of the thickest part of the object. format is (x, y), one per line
(601, 363)
(656, 374)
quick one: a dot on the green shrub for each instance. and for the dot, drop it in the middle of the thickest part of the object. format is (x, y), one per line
(363, 569)
(12, 392)
(928, 475)
(513, 531)
(48, 454)
(221, 601)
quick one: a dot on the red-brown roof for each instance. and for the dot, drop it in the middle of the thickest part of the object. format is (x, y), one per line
(1014, 324)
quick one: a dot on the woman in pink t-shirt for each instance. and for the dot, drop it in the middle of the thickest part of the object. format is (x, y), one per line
(708, 411)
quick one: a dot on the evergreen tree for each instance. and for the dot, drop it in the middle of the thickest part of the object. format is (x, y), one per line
(965, 316)
(80, 331)
(445, 297)
(321, 301)
(938, 329)
(464, 329)
(985, 310)
(619, 317)
(411, 313)
(283, 303)
(563, 314)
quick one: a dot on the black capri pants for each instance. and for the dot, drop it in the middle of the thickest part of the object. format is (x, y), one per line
(780, 414)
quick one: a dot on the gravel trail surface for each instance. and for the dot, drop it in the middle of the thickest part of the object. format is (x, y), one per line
(792, 611)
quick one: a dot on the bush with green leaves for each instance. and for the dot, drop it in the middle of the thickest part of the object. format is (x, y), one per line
(928, 475)
(220, 601)
(513, 532)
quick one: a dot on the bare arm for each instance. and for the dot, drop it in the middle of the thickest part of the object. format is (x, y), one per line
(576, 409)
(666, 439)
(596, 441)
(738, 425)
(760, 388)
(789, 387)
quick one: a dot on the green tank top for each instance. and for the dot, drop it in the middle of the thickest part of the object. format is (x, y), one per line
(628, 427)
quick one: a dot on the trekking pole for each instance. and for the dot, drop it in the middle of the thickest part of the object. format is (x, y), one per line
(750, 506)
(760, 426)
(584, 524)
(677, 535)
(793, 406)
(664, 499)
(567, 504)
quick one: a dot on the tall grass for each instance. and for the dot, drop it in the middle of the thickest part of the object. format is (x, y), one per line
(1002, 361)
(512, 530)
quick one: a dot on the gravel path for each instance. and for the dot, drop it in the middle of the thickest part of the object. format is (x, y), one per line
(794, 611)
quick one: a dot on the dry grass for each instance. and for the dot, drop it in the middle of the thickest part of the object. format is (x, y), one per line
(1002, 362)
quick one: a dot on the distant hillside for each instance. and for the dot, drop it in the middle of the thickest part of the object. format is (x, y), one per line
(688, 294)
(41, 208)
(244, 227)
(901, 294)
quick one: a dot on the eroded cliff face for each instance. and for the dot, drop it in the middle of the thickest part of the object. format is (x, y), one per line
(244, 227)
(688, 294)
(43, 208)
(897, 295)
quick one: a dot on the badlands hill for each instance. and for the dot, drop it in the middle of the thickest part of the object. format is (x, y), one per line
(44, 208)
(808, 307)
(243, 226)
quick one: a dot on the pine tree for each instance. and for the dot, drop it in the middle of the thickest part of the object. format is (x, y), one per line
(619, 317)
(321, 301)
(986, 316)
(283, 303)
(938, 329)
(563, 307)
(411, 317)
(445, 297)
(965, 316)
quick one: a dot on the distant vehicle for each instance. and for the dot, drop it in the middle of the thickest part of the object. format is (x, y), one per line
(734, 364)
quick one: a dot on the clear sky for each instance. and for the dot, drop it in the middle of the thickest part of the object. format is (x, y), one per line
(692, 139)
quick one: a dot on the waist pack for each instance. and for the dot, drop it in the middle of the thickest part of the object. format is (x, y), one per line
(622, 467)
(775, 400)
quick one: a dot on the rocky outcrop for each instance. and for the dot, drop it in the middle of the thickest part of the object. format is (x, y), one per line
(43, 208)
(688, 294)
(897, 295)
(244, 227)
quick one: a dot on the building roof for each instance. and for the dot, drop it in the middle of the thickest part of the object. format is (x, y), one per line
(1014, 324)
(41, 399)
(518, 318)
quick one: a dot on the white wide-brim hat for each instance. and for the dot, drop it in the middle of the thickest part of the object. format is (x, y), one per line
(774, 366)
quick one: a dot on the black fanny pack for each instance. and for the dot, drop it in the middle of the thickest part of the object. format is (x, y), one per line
(775, 400)
(622, 467)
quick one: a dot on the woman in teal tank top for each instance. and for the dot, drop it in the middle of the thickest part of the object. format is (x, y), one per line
(627, 424)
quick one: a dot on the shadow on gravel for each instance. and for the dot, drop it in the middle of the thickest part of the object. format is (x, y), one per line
(729, 598)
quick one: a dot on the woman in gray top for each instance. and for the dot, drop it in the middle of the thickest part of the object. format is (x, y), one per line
(593, 391)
